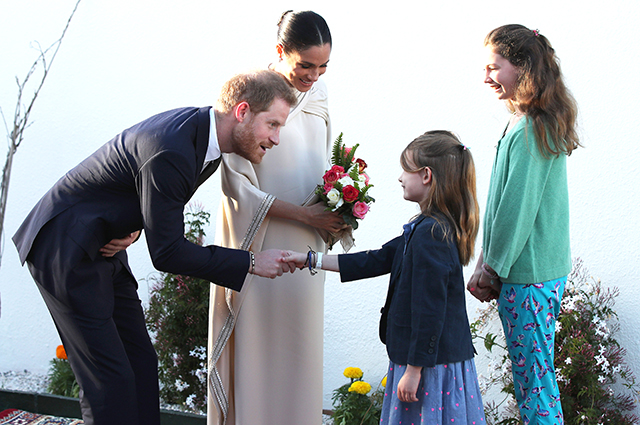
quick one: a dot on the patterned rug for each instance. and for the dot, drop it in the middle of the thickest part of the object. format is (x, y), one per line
(20, 417)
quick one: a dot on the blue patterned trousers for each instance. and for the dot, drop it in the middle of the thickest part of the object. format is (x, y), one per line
(528, 314)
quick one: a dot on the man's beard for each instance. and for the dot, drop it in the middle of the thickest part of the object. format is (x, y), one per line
(245, 143)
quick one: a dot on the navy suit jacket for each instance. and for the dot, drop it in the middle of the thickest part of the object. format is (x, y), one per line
(140, 180)
(427, 320)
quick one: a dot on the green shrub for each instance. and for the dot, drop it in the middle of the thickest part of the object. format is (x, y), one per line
(596, 385)
(177, 318)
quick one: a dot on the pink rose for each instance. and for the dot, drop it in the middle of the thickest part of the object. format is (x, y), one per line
(327, 187)
(350, 193)
(360, 209)
(337, 169)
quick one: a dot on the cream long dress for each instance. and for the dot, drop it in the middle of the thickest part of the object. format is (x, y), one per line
(266, 341)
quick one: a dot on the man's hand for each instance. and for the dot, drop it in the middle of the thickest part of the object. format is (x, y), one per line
(272, 263)
(117, 245)
(297, 259)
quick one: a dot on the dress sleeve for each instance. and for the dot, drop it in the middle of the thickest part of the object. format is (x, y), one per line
(240, 227)
(521, 183)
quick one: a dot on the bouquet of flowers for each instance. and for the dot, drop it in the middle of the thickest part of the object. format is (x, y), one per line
(345, 190)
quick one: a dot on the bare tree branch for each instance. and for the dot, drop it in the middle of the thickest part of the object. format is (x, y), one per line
(21, 115)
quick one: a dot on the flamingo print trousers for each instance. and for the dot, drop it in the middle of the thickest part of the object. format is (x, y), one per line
(528, 314)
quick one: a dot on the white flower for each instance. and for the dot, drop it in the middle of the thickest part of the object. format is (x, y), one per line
(189, 402)
(558, 326)
(601, 379)
(199, 353)
(201, 374)
(346, 181)
(334, 199)
(180, 385)
(568, 361)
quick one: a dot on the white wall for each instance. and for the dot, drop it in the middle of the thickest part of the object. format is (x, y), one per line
(395, 72)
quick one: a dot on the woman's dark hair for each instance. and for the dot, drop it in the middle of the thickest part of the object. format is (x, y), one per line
(298, 31)
(540, 90)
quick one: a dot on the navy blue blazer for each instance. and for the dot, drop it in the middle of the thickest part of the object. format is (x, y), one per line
(427, 321)
(140, 180)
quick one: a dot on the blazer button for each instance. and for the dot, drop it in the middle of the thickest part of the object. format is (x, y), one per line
(430, 351)
(433, 338)
(432, 344)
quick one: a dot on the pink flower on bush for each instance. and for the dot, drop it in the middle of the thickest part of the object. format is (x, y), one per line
(360, 209)
(350, 193)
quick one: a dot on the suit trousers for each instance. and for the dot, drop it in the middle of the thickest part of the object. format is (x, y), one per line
(95, 307)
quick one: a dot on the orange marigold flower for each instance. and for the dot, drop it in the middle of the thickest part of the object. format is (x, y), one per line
(61, 353)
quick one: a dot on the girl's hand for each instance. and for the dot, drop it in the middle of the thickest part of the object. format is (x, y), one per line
(408, 385)
(481, 286)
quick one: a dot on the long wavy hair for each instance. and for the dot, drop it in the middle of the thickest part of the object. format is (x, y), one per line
(540, 93)
(453, 187)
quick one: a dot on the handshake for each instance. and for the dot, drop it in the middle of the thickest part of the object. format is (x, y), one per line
(272, 263)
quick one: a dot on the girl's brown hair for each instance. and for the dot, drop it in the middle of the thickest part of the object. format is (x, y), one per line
(540, 92)
(453, 187)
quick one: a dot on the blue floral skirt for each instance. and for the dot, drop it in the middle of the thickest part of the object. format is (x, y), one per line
(447, 394)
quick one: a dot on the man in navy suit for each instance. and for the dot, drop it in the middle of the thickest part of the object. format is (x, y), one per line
(74, 239)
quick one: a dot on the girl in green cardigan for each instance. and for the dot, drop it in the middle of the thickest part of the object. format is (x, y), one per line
(525, 256)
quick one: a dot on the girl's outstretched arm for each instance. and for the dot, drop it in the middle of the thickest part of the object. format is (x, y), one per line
(408, 385)
(328, 262)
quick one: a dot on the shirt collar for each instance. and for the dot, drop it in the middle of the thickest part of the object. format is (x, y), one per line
(213, 150)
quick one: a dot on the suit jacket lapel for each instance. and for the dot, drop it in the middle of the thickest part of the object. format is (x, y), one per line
(209, 169)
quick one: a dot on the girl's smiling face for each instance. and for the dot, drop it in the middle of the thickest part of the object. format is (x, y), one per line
(501, 75)
(303, 68)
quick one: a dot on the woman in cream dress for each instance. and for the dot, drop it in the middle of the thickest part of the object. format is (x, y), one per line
(266, 342)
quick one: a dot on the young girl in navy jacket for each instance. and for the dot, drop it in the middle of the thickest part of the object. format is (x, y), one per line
(432, 377)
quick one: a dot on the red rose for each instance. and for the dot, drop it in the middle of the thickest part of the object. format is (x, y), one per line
(331, 176)
(361, 164)
(337, 169)
(350, 193)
